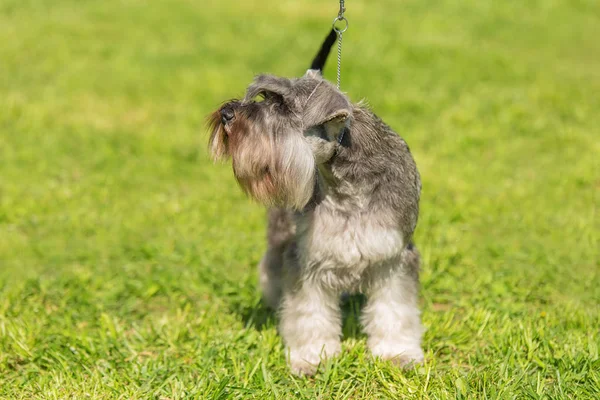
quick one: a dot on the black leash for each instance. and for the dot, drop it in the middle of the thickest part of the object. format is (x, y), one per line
(321, 57)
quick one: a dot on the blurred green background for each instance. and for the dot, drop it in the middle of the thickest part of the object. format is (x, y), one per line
(127, 260)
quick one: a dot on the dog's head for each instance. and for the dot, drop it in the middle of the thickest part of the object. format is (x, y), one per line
(278, 134)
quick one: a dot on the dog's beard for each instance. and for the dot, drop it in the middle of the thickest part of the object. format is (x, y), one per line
(277, 171)
(280, 174)
(297, 172)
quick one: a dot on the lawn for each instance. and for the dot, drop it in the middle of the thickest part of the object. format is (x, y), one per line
(127, 259)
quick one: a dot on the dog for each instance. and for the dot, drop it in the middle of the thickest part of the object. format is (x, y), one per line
(342, 191)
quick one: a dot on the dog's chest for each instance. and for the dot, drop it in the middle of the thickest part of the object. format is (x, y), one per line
(351, 241)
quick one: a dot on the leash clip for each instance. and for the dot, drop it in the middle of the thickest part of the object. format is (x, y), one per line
(342, 9)
(340, 18)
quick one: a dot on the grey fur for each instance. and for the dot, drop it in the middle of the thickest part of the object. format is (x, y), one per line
(351, 232)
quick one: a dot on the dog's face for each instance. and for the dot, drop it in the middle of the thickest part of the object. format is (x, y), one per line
(278, 134)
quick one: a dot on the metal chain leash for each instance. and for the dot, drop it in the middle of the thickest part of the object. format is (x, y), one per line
(340, 30)
(339, 59)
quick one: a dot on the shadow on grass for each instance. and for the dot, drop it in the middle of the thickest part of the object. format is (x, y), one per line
(351, 310)
(260, 317)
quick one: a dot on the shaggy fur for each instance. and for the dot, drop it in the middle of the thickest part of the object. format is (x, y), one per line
(343, 195)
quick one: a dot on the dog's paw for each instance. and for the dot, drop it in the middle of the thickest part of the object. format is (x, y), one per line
(303, 368)
(401, 354)
(305, 361)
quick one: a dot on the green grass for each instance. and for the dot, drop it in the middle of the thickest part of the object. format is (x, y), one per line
(127, 260)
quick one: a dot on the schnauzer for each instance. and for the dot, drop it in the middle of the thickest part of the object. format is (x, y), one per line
(342, 191)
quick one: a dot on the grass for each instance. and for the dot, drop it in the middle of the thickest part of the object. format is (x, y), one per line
(127, 260)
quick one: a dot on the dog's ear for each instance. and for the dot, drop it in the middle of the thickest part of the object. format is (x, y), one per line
(327, 107)
(271, 84)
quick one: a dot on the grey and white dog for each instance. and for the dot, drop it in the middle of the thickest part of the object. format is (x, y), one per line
(343, 195)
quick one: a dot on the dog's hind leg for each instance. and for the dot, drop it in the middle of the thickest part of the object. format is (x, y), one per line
(270, 273)
(280, 232)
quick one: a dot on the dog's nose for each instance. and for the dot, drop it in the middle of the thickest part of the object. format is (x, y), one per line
(227, 114)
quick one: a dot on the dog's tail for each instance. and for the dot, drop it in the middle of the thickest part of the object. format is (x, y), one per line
(321, 57)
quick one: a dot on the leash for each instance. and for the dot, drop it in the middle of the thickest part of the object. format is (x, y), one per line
(343, 27)
(321, 57)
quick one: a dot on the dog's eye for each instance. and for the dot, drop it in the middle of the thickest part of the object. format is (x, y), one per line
(268, 96)
(259, 97)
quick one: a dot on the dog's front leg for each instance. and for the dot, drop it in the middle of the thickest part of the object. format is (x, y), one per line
(310, 325)
(391, 317)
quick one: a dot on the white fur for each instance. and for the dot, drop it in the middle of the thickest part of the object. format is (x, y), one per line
(297, 165)
(336, 248)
